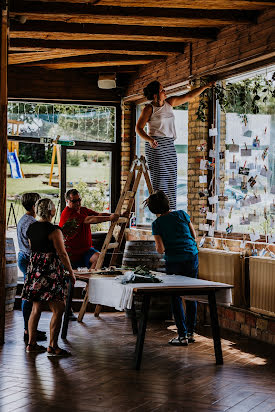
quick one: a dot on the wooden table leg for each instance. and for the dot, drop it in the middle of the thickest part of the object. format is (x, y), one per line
(134, 319)
(215, 327)
(84, 304)
(67, 310)
(142, 330)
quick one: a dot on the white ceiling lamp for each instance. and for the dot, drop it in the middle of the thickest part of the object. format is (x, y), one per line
(107, 81)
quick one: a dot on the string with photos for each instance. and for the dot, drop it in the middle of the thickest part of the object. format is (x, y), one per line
(212, 168)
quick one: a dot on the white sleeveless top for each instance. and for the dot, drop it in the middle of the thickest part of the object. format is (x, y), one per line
(162, 121)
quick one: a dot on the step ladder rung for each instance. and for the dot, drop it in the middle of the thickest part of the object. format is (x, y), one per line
(122, 220)
(113, 245)
(130, 194)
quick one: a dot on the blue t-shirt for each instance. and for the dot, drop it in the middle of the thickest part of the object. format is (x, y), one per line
(22, 227)
(174, 230)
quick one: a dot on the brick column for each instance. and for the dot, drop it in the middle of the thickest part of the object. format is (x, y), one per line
(125, 141)
(197, 135)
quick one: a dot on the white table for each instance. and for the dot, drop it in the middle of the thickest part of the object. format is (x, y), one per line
(109, 291)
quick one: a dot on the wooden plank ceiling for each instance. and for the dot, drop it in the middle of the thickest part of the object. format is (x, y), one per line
(115, 35)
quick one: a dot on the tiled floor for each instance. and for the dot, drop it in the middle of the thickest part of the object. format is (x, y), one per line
(99, 375)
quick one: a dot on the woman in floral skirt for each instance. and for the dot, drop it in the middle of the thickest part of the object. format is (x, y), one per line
(46, 276)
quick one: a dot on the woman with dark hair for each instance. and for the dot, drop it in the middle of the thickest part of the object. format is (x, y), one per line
(175, 236)
(159, 147)
(46, 276)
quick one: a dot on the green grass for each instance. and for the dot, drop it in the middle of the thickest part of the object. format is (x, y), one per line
(86, 172)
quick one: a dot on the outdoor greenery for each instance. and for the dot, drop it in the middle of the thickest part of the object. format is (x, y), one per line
(250, 96)
(95, 199)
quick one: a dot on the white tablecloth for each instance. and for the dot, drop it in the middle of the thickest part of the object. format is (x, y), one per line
(110, 292)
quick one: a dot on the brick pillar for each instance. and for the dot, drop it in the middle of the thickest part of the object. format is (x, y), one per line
(197, 135)
(126, 116)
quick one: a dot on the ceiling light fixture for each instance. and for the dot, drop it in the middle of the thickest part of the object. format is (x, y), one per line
(107, 81)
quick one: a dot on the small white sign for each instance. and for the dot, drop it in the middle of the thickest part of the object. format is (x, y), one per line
(203, 179)
(266, 173)
(211, 231)
(211, 216)
(246, 152)
(204, 227)
(203, 163)
(213, 200)
(254, 236)
(213, 132)
(212, 153)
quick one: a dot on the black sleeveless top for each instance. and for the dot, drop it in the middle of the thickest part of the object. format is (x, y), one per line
(38, 233)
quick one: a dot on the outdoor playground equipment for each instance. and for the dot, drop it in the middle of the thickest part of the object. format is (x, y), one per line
(56, 152)
(13, 150)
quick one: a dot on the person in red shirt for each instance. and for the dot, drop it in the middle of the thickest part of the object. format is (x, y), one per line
(75, 223)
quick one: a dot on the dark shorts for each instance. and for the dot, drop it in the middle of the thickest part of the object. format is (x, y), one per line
(85, 260)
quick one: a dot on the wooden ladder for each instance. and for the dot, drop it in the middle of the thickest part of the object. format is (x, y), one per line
(128, 194)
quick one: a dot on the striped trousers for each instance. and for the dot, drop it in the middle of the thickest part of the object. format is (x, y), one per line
(162, 163)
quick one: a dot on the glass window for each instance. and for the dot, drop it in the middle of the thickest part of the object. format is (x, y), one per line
(144, 217)
(247, 137)
(73, 121)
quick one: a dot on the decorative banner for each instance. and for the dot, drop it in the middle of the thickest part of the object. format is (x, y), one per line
(213, 132)
(213, 200)
(203, 179)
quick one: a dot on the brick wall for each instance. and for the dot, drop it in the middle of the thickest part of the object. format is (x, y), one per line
(197, 136)
(126, 142)
(241, 321)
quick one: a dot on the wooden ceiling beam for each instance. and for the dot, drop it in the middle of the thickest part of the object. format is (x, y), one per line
(127, 47)
(76, 13)
(20, 58)
(180, 4)
(75, 31)
(81, 65)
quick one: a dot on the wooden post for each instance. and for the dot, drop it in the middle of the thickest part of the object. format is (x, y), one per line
(3, 157)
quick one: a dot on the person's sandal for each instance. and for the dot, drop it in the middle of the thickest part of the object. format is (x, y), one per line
(191, 338)
(35, 348)
(179, 341)
(57, 352)
(40, 335)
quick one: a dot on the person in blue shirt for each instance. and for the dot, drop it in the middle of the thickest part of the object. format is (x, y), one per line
(28, 201)
(175, 236)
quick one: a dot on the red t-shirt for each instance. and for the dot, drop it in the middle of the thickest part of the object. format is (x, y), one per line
(77, 234)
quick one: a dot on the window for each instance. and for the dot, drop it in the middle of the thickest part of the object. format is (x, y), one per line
(247, 172)
(74, 121)
(144, 217)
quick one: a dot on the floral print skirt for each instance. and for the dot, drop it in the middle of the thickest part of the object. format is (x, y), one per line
(45, 280)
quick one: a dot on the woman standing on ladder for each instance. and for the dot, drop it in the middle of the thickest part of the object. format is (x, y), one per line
(159, 147)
